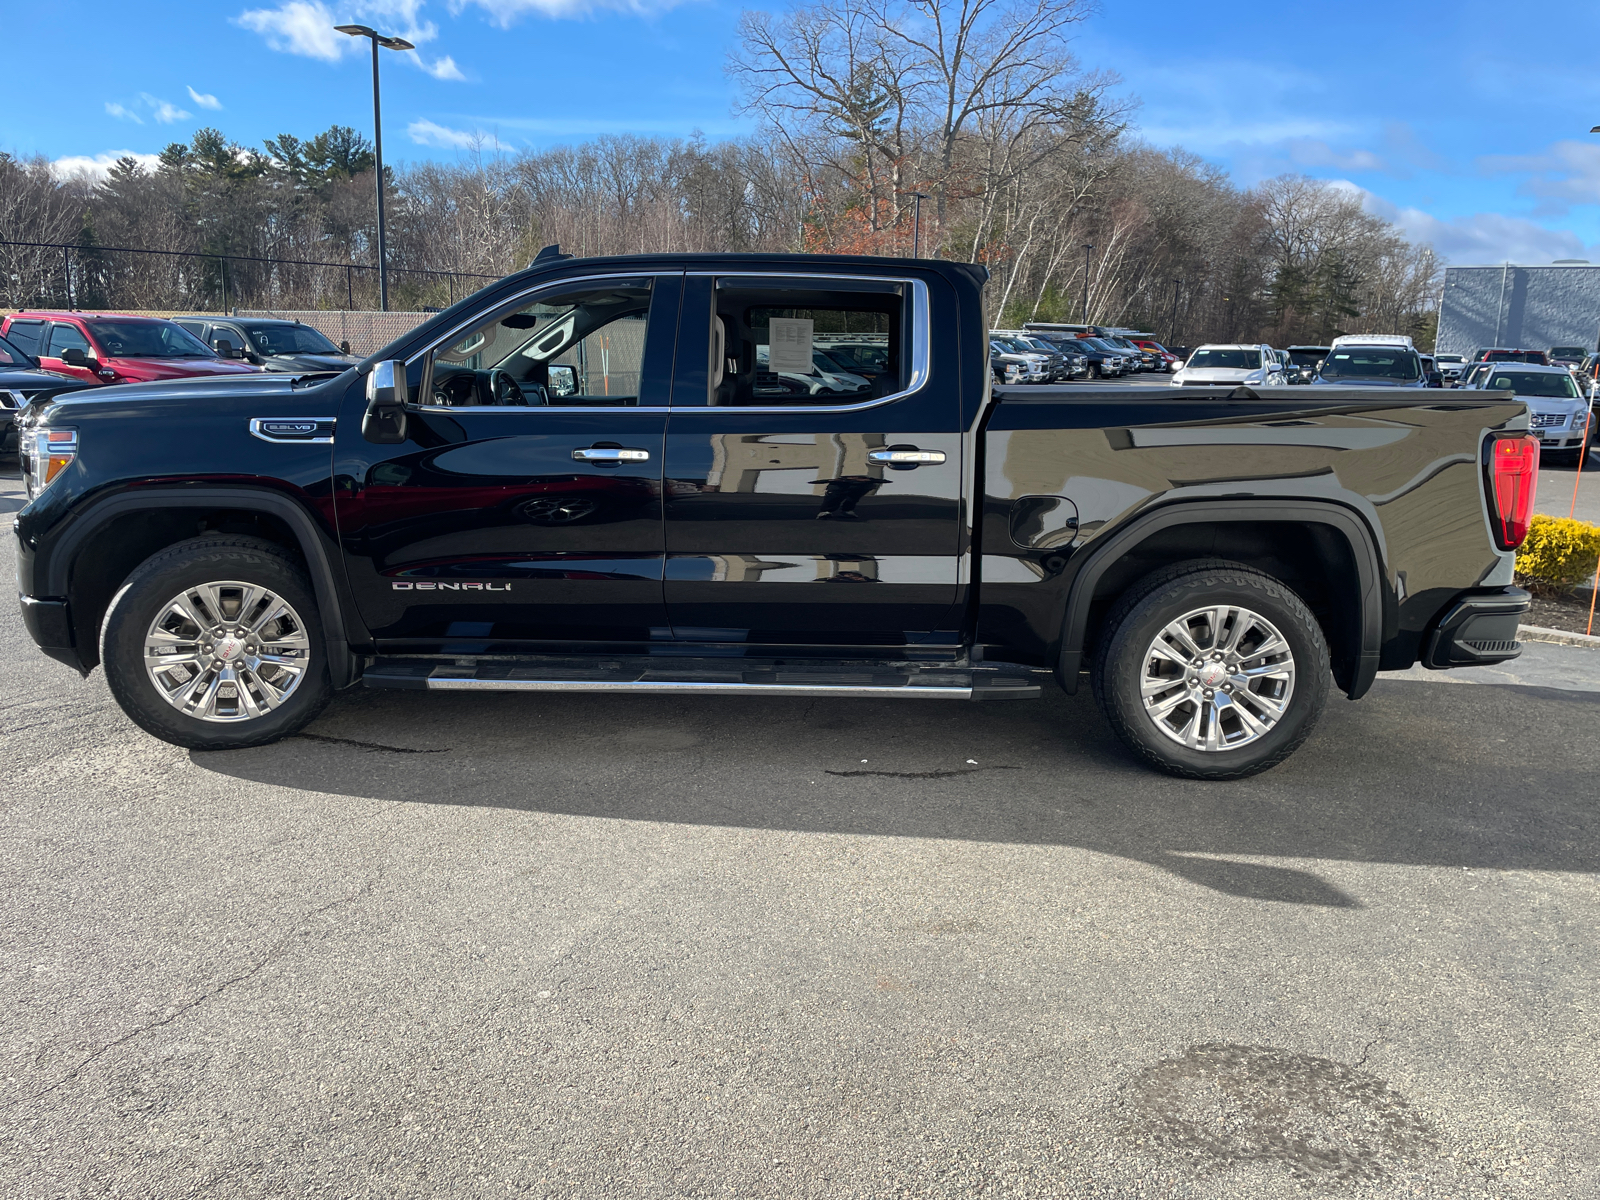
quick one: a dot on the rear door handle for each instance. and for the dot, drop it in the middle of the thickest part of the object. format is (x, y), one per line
(610, 455)
(905, 456)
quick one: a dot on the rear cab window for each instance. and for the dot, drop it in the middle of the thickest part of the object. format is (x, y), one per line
(805, 342)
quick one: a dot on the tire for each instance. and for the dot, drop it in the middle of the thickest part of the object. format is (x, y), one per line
(1263, 720)
(279, 680)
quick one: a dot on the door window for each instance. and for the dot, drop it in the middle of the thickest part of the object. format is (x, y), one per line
(782, 343)
(27, 335)
(581, 346)
(67, 337)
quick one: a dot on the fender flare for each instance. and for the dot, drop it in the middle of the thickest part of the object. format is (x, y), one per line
(313, 543)
(1363, 550)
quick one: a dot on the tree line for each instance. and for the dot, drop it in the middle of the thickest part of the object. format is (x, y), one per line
(974, 112)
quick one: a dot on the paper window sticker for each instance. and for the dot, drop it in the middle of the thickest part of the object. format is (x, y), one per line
(789, 344)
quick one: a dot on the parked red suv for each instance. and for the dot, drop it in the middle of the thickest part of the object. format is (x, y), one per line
(113, 348)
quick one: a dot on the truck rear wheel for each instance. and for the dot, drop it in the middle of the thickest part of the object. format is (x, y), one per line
(215, 643)
(1212, 670)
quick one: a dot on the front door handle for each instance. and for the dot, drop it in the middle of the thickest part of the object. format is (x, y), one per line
(610, 456)
(905, 456)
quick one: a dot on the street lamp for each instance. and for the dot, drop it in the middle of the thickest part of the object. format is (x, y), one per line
(388, 43)
(916, 227)
(1088, 246)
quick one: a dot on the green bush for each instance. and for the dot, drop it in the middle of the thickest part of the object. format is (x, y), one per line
(1559, 551)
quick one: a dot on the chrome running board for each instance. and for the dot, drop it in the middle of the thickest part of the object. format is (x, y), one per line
(709, 677)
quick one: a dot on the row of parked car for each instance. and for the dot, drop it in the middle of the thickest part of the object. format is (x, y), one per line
(1050, 352)
(62, 351)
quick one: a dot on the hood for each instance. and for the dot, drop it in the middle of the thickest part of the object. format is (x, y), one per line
(29, 379)
(310, 362)
(194, 387)
(1218, 374)
(1374, 382)
(178, 368)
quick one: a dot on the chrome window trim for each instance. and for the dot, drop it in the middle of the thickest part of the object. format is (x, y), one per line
(921, 351)
(18, 400)
(256, 431)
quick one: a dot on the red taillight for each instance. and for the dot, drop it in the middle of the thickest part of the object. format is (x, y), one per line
(1513, 478)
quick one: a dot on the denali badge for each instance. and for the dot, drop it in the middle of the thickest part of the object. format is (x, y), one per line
(430, 586)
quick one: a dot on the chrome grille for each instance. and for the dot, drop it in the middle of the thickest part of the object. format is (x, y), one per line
(1547, 420)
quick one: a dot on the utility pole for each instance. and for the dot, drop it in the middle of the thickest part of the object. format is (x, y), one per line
(388, 43)
(916, 226)
(1172, 329)
(1087, 247)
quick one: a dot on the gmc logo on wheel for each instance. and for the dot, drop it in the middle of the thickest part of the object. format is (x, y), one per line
(431, 586)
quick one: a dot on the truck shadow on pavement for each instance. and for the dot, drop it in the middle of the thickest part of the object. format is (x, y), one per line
(1417, 773)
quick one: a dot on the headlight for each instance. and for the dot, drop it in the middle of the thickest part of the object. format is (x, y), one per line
(44, 454)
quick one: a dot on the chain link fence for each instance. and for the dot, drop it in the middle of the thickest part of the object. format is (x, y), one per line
(122, 279)
(364, 332)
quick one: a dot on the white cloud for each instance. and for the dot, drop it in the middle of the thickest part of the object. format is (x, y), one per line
(1481, 237)
(441, 68)
(95, 167)
(1564, 175)
(302, 27)
(204, 100)
(427, 133)
(1313, 152)
(163, 111)
(123, 114)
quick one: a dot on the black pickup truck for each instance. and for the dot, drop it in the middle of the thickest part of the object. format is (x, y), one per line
(763, 475)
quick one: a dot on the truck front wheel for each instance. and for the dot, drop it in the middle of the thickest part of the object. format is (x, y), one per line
(215, 643)
(1212, 670)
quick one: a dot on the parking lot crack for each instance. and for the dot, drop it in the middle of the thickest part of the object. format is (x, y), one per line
(273, 952)
(338, 741)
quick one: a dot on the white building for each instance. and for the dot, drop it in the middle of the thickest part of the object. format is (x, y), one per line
(1531, 307)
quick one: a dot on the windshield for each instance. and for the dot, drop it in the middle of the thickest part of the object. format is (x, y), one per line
(147, 339)
(290, 339)
(1530, 383)
(1100, 344)
(1567, 351)
(1380, 362)
(1306, 358)
(1449, 358)
(10, 356)
(1232, 360)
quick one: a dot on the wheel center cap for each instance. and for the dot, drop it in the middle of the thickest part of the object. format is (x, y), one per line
(1213, 674)
(229, 648)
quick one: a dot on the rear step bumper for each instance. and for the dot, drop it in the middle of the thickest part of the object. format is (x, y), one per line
(716, 677)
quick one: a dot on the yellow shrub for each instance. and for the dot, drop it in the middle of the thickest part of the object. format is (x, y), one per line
(1559, 550)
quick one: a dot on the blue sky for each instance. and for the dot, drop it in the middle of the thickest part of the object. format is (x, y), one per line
(1464, 124)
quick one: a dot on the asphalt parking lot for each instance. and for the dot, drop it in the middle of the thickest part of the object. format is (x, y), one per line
(478, 946)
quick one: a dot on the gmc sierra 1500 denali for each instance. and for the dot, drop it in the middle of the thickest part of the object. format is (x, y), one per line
(764, 475)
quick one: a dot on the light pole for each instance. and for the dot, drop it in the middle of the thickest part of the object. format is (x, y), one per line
(1087, 247)
(388, 43)
(1172, 330)
(916, 225)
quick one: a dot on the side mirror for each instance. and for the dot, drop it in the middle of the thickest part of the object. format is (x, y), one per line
(344, 347)
(385, 419)
(74, 357)
(563, 380)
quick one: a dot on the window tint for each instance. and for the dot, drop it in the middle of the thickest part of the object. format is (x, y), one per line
(1231, 360)
(26, 335)
(580, 347)
(779, 345)
(198, 328)
(67, 337)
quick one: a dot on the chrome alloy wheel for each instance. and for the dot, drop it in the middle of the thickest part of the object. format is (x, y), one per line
(226, 651)
(1217, 678)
